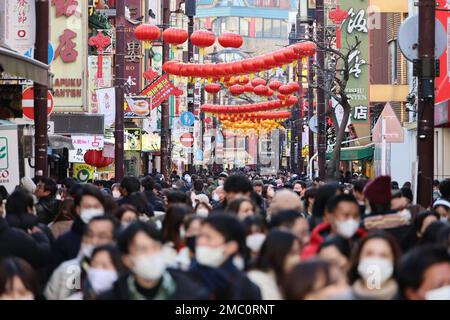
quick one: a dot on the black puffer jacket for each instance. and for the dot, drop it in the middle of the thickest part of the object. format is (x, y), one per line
(34, 248)
(27, 221)
(47, 209)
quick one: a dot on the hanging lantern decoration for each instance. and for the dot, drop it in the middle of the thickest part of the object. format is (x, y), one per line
(258, 81)
(260, 90)
(275, 84)
(147, 33)
(212, 88)
(291, 101)
(243, 80)
(295, 86)
(338, 16)
(286, 89)
(202, 39)
(248, 88)
(237, 89)
(230, 40)
(100, 42)
(95, 158)
(269, 61)
(269, 93)
(175, 37)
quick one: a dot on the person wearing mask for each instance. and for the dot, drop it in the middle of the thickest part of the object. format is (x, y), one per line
(115, 190)
(324, 193)
(284, 200)
(126, 214)
(18, 280)
(258, 186)
(148, 184)
(202, 209)
(278, 255)
(268, 193)
(425, 273)
(293, 222)
(221, 240)
(47, 205)
(442, 208)
(374, 268)
(218, 197)
(316, 280)
(221, 179)
(211, 185)
(341, 218)
(256, 230)
(299, 187)
(66, 279)
(89, 203)
(172, 227)
(235, 186)
(336, 250)
(190, 229)
(381, 216)
(130, 189)
(242, 208)
(436, 193)
(104, 268)
(141, 246)
(308, 201)
(64, 217)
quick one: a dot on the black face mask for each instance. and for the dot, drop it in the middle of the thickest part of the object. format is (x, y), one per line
(299, 193)
(190, 242)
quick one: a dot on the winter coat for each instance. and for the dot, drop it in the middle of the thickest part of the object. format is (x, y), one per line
(60, 227)
(318, 236)
(67, 246)
(226, 282)
(34, 248)
(267, 284)
(181, 287)
(64, 280)
(156, 202)
(27, 221)
(46, 209)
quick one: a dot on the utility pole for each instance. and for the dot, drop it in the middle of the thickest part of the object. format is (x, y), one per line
(190, 87)
(40, 91)
(119, 84)
(300, 117)
(165, 107)
(293, 36)
(426, 72)
(321, 140)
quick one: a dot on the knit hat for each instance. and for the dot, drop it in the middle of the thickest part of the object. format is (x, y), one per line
(441, 202)
(378, 190)
(28, 184)
(202, 198)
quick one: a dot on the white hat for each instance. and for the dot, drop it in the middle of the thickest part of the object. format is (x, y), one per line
(28, 184)
(441, 202)
(202, 198)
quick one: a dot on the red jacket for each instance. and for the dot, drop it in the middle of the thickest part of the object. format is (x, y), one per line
(318, 235)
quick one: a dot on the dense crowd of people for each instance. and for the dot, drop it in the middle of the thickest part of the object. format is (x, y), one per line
(223, 236)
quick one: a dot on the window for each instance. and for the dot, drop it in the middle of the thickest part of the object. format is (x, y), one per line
(243, 27)
(232, 24)
(393, 62)
(267, 28)
(258, 28)
(276, 28)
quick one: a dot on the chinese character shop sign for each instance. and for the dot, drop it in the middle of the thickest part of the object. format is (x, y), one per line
(68, 20)
(356, 24)
(133, 55)
(19, 24)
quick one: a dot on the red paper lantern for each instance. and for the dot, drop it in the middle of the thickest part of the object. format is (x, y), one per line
(203, 38)
(258, 81)
(212, 88)
(269, 93)
(237, 89)
(243, 80)
(248, 87)
(290, 53)
(170, 66)
(260, 90)
(230, 40)
(259, 64)
(310, 48)
(95, 158)
(270, 61)
(147, 32)
(286, 89)
(275, 84)
(295, 86)
(280, 57)
(248, 66)
(175, 36)
(281, 97)
(291, 100)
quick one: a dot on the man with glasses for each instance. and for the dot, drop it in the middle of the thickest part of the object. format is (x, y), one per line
(47, 205)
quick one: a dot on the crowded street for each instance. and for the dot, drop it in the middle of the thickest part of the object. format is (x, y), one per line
(224, 150)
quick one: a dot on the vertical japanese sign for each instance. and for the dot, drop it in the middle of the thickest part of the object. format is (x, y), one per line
(68, 20)
(94, 83)
(133, 53)
(18, 24)
(358, 84)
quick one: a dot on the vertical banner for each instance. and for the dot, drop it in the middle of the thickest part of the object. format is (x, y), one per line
(18, 24)
(94, 83)
(68, 27)
(107, 104)
(358, 84)
(9, 159)
(133, 50)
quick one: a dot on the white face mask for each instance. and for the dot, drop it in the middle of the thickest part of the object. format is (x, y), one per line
(210, 257)
(215, 197)
(375, 271)
(86, 215)
(86, 251)
(270, 193)
(442, 293)
(202, 212)
(347, 228)
(221, 182)
(149, 267)
(101, 280)
(443, 219)
(182, 233)
(116, 194)
(255, 241)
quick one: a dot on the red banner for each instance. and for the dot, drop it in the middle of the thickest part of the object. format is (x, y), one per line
(160, 90)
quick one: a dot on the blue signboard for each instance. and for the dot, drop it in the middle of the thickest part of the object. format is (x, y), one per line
(51, 53)
(187, 119)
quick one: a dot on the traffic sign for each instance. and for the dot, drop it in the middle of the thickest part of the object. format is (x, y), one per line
(313, 125)
(187, 139)
(187, 119)
(28, 103)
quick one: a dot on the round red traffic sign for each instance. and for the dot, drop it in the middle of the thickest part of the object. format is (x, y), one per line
(28, 103)
(187, 139)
